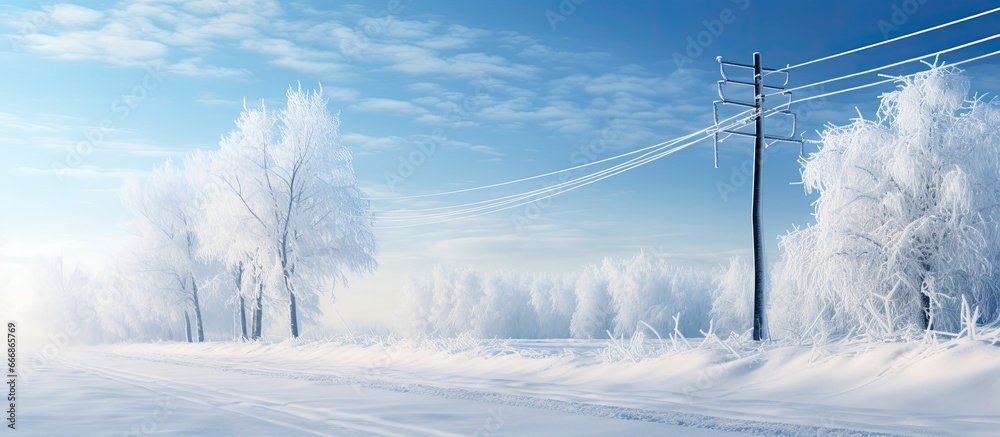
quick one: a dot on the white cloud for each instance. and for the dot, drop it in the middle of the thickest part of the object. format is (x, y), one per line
(196, 68)
(72, 15)
(288, 54)
(388, 106)
(133, 32)
(81, 171)
(485, 150)
(107, 46)
(340, 94)
(11, 122)
(375, 143)
(141, 149)
(264, 8)
(427, 87)
(615, 83)
(137, 31)
(212, 99)
(547, 53)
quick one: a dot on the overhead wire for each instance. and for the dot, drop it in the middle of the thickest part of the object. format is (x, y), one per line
(654, 146)
(895, 64)
(575, 184)
(658, 150)
(888, 41)
(533, 200)
(500, 184)
(891, 79)
(506, 200)
(521, 200)
(659, 146)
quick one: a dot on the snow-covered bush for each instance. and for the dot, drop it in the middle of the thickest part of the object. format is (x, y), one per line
(615, 296)
(906, 220)
(732, 303)
(645, 288)
(593, 315)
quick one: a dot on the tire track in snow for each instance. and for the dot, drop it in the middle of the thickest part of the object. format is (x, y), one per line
(516, 400)
(230, 400)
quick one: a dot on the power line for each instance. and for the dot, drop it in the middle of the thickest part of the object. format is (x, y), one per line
(638, 163)
(891, 79)
(465, 190)
(665, 144)
(646, 161)
(493, 203)
(656, 147)
(888, 41)
(895, 64)
(576, 183)
(621, 167)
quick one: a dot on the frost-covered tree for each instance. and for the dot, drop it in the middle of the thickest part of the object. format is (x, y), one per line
(906, 219)
(553, 298)
(732, 302)
(593, 315)
(133, 303)
(647, 289)
(616, 296)
(288, 198)
(165, 248)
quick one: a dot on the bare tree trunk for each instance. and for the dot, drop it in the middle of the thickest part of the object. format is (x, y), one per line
(293, 316)
(197, 310)
(258, 313)
(243, 320)
(187, 326)
(238, 276)
(925, 299)
(925, 302)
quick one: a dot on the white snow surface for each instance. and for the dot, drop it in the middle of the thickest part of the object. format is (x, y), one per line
(462, 386)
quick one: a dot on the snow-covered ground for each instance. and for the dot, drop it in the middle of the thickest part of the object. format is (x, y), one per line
(378, 386)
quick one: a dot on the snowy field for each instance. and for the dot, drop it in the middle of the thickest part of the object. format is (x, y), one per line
(877, 314)
(380, 386)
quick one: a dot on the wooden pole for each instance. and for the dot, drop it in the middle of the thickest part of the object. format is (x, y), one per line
(759, 323)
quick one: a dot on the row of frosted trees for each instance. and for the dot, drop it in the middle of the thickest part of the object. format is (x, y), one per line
(273, 218)
(906, 239)
(614, 297)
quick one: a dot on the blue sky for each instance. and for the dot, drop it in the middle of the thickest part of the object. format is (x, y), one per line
(93, 91)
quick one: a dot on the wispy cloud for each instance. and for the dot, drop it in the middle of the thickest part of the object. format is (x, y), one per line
(131, 33)
(72, 15)
(196, 67)
(86, 171)
(212, 99)
(388, 106)
(112, 45)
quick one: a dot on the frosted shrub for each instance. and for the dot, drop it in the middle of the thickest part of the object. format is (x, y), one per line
(647, 289)
(732, 302)
(616, 296)
(906, 217)
(593, 313)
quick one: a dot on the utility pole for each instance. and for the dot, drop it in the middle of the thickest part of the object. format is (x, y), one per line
(757, 114)
(758, 249)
